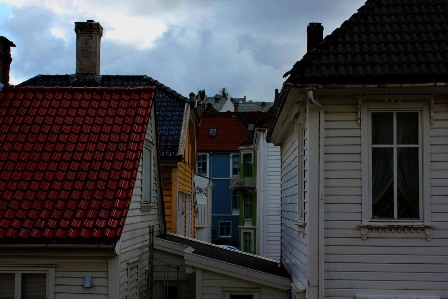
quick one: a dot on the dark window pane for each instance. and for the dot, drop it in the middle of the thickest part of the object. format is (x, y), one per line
(407, 127)
(408, 197)
(34, 286)
(383, 183)
(382, 128)
(241, 297)
(7, 286)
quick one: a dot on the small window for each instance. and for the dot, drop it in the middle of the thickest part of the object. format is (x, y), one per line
(236, 164)
(147, 175)
(202, 165)
(247, 164)
(248, 207)
(30, 285)
(225, 228)
(247, 242)
(250, 127)
(235, 200)
(212, 132)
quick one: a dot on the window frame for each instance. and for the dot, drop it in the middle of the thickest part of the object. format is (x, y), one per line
(244, 164)
(206, 164)
(232, 156)
(367, 108)
(49, 272)
(147, 179)
(230, 229)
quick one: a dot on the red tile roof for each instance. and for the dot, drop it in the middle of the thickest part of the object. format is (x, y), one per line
(68, 162)
(231, 129)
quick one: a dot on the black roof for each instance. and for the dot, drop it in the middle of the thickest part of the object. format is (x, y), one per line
(386, 41)
(169, 104)
(230, 256)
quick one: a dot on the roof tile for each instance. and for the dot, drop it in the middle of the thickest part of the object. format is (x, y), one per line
(54, 168)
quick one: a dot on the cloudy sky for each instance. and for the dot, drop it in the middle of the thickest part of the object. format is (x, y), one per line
(243, 45)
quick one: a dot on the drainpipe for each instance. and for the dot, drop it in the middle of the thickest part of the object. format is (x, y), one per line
(321, 269)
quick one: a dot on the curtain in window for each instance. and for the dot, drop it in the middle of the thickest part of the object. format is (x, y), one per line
(408, 165)
(382, 165)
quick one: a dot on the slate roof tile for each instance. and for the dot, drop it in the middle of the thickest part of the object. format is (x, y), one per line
(386, 41)
(56, 188)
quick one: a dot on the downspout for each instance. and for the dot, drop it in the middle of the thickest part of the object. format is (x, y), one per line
(321, 269)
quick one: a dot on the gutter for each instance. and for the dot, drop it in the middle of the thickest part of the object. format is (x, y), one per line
(321, 265)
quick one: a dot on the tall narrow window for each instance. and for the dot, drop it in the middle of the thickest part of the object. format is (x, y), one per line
(247, 161)
(235, 199)
(202, 165)
(147, 174)
(248, 207)
(235, 164)
(247, 241)
(396, 165)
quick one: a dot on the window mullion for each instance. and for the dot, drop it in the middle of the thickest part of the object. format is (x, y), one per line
(18, 287)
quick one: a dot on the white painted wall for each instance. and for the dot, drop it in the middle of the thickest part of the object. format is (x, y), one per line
(268, 197)
(134, 244)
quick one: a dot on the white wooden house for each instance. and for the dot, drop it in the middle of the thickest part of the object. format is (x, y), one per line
(362, 123)
(79, 192)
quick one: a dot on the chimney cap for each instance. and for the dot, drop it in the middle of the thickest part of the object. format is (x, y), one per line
(90, 21)
(7, 41)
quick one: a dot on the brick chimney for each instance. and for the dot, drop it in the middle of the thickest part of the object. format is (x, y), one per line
(5, 59)
(315, 34)
(88, 44)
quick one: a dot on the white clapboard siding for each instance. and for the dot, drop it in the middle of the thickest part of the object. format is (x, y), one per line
(294, 245)
(385, 260)
(268, 198)
(134, 242)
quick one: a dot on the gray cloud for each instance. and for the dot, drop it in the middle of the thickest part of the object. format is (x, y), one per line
(245, 46)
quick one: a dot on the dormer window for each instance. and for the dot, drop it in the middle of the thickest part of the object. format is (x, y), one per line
(212, 132)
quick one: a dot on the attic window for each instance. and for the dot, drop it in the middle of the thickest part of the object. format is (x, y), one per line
(212, 132)
(250, 127)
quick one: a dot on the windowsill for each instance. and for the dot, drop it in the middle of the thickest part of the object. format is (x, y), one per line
(301, 226)
(146, 207)
(396, 227)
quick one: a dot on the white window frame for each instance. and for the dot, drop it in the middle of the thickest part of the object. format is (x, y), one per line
(230, 229)
(17, 271)
(251, 153)
(147, 182)
(424, 126)
(231, 164)
(207, 161)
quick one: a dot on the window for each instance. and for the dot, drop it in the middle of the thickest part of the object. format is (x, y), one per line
(395, 165)
(248, 206)
(236, 164)
(241, 296)
(235, 200)
(212, 132)
(202, 165)
(147, 174)
(247, 164)
(225, 228)
(247, 242)
(395, 144)
(23, 285)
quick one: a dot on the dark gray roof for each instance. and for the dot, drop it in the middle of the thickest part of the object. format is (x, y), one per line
(386, 41)
(169, 104)
(229, 256)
